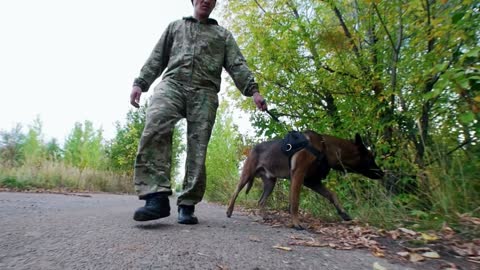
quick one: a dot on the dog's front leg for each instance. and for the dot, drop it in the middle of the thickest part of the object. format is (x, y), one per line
(295, 188)
(320, 188)
(268, 185)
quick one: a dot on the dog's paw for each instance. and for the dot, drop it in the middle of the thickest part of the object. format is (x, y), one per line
(298, 227)
(267, 218)
(345, 217)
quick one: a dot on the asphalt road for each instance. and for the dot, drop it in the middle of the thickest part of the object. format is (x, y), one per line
(54, 231)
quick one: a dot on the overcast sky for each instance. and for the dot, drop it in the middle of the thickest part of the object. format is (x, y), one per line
(70, 61)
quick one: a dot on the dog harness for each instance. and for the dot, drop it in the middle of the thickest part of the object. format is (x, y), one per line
(295, 141)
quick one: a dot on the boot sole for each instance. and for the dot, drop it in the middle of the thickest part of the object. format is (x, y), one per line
(188, 221)
(148, 215)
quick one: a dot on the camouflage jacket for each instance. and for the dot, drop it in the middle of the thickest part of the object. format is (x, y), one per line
(194, 53)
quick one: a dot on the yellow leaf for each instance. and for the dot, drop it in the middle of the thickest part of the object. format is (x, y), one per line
(477, 99)
(282, 248)
(378, 253)
(429, 237)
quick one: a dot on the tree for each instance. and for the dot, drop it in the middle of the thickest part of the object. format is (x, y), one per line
(84, 148)
(223, 155)
(53, 150)
(400, 72)
(11, 153)
(33, 146)
(123, 148)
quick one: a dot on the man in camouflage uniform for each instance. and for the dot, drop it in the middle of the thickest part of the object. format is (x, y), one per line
(193, 51)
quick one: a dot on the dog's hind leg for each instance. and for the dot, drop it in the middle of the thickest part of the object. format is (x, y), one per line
(240, 186)
(268, 185)
(317, 186)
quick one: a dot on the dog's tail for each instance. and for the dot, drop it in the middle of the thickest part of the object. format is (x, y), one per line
(249, 170)
(248, 174)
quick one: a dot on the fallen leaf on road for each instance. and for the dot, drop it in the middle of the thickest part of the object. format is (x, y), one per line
(429, 237)
(449, 266)
(377, 266)
(467, 218)
(414, 257)
(407, 231)
(403, 254)
(282, 248)
(306, 243)
(254, 239)
(475, 258)
(466, 249)
(393, 234)
(378, 252)
(431, 255)
(202, 254)
(474, 261)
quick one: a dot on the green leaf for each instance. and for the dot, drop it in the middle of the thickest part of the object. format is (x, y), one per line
(433, 94)
(473, 53)
(467, 118)
(464, 83)
(457, 17)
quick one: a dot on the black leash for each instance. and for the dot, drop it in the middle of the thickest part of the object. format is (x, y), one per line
(275, 118)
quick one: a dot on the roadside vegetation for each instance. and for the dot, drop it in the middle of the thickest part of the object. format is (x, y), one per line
(404, 74)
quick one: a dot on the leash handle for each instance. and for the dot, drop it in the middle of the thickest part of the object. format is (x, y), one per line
(270, 113)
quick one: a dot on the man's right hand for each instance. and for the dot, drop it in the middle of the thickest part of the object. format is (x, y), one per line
(135, 96)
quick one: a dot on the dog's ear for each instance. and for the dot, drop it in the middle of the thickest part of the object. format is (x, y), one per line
(359, 143)
(358, 139)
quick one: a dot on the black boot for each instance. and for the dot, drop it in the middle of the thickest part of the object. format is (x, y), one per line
(185, 214)
(156, 206)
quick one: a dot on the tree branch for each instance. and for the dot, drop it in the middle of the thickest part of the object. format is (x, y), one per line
(382, 22)
(258, 4)
(346, 31)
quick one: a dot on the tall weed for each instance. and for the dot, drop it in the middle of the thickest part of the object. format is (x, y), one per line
(58, 175)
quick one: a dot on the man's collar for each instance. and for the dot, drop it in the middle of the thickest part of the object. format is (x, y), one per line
(209, 20)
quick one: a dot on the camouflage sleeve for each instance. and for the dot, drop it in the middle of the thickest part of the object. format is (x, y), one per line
(236, 66)
(156, 63)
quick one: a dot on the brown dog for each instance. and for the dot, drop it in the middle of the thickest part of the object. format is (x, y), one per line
(267, 161)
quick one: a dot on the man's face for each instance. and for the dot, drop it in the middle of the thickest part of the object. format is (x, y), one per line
(203, 8)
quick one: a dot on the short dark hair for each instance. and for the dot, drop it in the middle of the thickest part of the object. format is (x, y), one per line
(192, 1)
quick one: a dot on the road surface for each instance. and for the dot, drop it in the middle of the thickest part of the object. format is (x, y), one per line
(55, 231)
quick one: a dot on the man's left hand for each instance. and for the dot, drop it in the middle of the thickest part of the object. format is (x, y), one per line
(259, 101)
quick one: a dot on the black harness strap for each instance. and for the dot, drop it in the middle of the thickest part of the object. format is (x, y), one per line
(295, 141)
(319, 155)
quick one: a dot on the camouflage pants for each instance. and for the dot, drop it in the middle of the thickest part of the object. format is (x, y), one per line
(171, 102)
